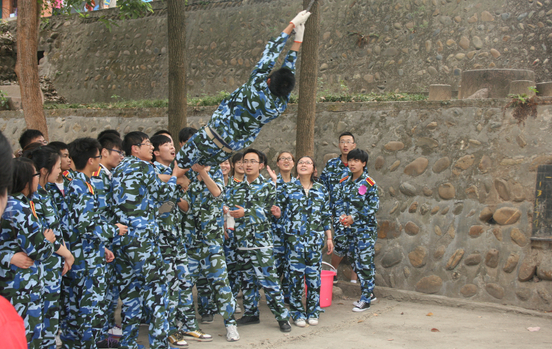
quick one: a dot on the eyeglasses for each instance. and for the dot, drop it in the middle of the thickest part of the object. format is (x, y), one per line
(250, 162)
(286, 159)
(97, 157)
(346, 142)
(117, 151)
(36, 174)
(148, 143)
(304, 163)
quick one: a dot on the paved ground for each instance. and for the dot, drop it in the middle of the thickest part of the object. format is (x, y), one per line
(421, 322)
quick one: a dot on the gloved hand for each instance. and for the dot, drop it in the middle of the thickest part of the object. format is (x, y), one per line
(299, 32)
(301, 18)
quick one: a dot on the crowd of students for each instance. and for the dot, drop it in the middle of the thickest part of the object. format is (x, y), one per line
(105, 219)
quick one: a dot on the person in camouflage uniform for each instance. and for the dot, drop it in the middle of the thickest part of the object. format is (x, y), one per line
(239, 118)
(250, 203)
(307, 217)
(24, 245)
(203, 205)
(90, 233)
(333, 172)
(47, 162)
(137, 192)
(354, 212)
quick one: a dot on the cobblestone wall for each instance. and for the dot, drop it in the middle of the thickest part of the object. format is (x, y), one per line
(369, 45)
(456, 182)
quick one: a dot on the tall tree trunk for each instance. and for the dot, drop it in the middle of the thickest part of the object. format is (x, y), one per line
(178, 101)
(28, 19)
(306, 112)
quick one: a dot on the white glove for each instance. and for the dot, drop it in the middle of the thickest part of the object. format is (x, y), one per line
(301, 18)
(299, 32)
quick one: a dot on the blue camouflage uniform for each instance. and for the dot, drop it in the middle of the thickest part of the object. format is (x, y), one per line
(239, 118)
(137, 192)
(281, 250)
(23, 232)
(49, 217)
(255, 242)
(307, 217)
(230, 249)
(359, 199)
(205, 252)
(90, 233)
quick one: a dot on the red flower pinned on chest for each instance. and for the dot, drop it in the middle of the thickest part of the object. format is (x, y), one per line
(362, 189)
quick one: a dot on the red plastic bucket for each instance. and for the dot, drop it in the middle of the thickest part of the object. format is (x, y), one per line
(326, 288)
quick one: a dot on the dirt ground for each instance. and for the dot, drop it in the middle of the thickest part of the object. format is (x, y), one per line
(390, 324)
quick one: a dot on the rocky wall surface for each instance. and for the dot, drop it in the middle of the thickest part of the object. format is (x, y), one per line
(369, 45)
(456, 182)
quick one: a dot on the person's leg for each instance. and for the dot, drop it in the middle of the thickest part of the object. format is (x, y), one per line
(189, 320)
(296, 281)
(262, 262)
(281, 259)
(31, 312)
(313, 269)
(232, 266)
(52, 294)
(363, 262)
(205, 302)
(111, 297)
(215, 273)
(91, 314)
(248, 284)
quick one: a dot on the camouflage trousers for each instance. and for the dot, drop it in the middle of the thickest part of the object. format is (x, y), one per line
(176, 261)
(258, 270)
(305, 266)
(142, 282)
(52, 300)
(234, 273)
(281, 258)
(359, 248)
(25, 294)
(85, 309)
(208, 261)
(111, 296)
(200, 149)
(205, 301)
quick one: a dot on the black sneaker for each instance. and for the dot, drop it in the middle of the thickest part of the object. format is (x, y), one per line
(284, 326)
(335, 279)
(207, 319)
(362, 306)
(108, 343)
(248, 320)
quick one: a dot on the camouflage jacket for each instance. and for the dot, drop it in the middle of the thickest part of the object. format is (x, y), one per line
(48, 215)
(168, 220)
(101, 179)
(334, 170)
(358, 199)
(278, 224)
(254, 229)
(305, 215)
(89, 231)
(137, 192)
(22, 232)
(204, 223)
(239, 118)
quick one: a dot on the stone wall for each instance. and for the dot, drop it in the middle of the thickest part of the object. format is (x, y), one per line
(443, 171)
(369, 45)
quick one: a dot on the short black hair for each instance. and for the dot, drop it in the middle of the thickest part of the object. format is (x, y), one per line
(108, 132)
(162, 132)
(29, 148)
(58, 145)
(346, 134)
(358, 154)
(82, 149)
(235, 158)
(260, 154)
(282, 82)
(6, 170)
(186, 133)
(133, 138)
(157, 141)
(43, 157)
(27, 137)
(23, 173)
(110, 141)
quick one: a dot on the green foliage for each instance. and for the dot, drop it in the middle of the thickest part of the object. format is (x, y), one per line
(3, 99)
(373, 97)
(208, 100)
(521, 99)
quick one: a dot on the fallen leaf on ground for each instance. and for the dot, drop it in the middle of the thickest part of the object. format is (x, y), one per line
(340, 303)
(390, 340)
(359, 321)
(435, 330)
(402, 313)
(429, 314)
(533, 329)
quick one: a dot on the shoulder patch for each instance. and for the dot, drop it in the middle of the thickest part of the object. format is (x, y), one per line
(236, 180)
(343, 179)
(370, 181)
(67, 175)
(97, 173)
(90, 188)
(32, 204)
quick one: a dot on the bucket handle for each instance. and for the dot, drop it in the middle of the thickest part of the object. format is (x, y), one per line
(331, 266)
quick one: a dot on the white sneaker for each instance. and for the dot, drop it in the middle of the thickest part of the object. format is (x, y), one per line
(300, 323)
(232, 334)
(238, 309)
(58, 341)
(362, 306)
(312, 321)
(372, 300)
(115, 331)
(177, 340)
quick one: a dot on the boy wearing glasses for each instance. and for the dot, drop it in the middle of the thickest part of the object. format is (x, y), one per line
(250, 203)
(137, 192)
(89, 234)
(356, 202)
